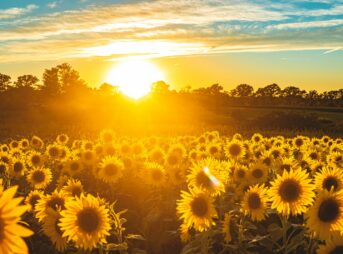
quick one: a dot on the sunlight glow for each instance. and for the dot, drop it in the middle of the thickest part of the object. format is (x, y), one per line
(213, 179)
(134, 77)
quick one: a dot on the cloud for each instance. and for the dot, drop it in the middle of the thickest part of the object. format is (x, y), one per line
(15, 12)
(166, 28)
(332, 50)
(52, 5)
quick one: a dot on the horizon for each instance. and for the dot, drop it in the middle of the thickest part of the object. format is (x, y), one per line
(193, 43)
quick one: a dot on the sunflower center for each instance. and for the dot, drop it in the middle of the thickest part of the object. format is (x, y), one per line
(337, 250)
(172, 159)
(213, 150)
(74, 166)
(240, 173)
(33, 200)
(2, 168)
(257, 173)
(267, 161)
(76, 191)
(53, 151)
(56, 202)
(199, 206)
(314, 156)
(235, 149)
(38, 176)
(35, 159)
(289, 190)
(17, 167)
(203, 180)
(111, 169)
(88, 220)
(330, 182)
(329, 210)
(254, 201)
(286, 167)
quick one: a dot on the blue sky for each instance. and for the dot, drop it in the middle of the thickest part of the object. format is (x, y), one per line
(75, 30)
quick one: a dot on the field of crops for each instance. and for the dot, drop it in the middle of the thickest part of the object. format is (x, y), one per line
(172, 194)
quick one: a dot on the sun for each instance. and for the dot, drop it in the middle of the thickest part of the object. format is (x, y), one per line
(134, 77)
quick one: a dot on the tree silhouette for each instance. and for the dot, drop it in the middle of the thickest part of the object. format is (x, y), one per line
(272, 90)
(51, 84)
(5, 81)
(242, 90)
(160, 87)
(27, 81)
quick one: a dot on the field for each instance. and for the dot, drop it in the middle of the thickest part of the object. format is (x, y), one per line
(206, 193)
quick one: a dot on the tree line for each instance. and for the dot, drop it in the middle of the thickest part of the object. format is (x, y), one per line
(63, 80)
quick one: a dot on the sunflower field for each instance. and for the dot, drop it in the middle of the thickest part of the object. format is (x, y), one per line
(171, 194)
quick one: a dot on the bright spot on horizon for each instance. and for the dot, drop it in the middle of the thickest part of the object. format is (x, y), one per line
(134, 77)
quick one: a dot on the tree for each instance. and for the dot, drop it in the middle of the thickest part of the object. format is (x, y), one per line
(242, 90)
(69, 78)
(160, 87)
(272, 90)
(293, 92)
(107, 88)
(5, 81)
(26, 81)
(51, 84)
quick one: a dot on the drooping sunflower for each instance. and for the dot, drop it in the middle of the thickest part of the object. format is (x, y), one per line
(326, 215)
(227, 227)
(206, 175)
(53, 202)
(3, 167)
(32, 199)
(184, 233)
(39, 178)
(73, 188)
(329, 178)
(110, 169)
(255, 202)
(11, 232)
(85, 221)
(18, 167)
(291, 193)
(196, 209)
(52, 229)
(37, 142)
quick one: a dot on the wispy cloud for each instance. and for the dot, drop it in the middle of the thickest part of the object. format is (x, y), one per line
(332, 50)
(15, 12)
(52, 5)
(166, 28)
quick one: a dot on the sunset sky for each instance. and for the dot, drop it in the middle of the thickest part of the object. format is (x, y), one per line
(194, 43)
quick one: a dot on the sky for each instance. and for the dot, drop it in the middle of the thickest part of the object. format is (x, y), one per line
(195, 43)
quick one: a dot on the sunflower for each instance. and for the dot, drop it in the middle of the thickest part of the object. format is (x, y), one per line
(227, 227)
(196, 209)
(62, 139)
(332, 246)
(73, 166)
(73, 188)
(37, 142)
(184, 233)
(24, 143)
(336, 159)
(234, 150)
(240, 174)
(53, 151)
(85, 221)
(329, 178)
(258, 173)
(35, 159)
(157, 155)
(88, 157)
(4, 148)
(11, 232)
(32, 199)
(206, 175)
(257, 138)
(154, 174)
(18, 168)
(326, 215)
(214, 150)
(3, 168)
(107, 136)
(111, 169)
(291, 192)
(54, 232)
(173, 159)
(39, 178)
(255, 202)
(53, 202)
